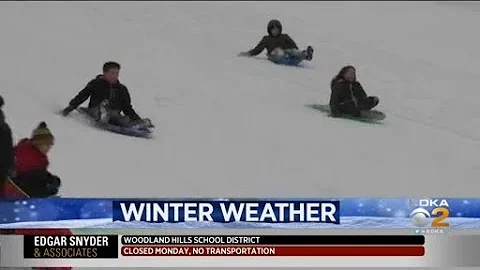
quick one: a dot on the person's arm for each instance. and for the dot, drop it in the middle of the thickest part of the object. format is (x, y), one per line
(81, 97)
(335, 97)
(337, 102)
(362, 95)
(33, 182)
(128, 108)
(257, 50)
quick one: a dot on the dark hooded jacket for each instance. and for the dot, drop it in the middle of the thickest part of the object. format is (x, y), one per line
(346, 96)
(6, 147)
(99, 90)
(270, 42)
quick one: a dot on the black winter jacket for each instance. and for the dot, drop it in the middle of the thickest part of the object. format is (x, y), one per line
(269, 42)
(345, 92)
(6, 149)
(346, 97)
(99, 90)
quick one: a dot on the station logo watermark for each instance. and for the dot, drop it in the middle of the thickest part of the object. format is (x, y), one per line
(436, 218)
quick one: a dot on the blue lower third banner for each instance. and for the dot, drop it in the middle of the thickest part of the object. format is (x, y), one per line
(227, 211)
(251, 213)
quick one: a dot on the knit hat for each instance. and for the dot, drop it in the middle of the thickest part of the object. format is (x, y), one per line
(42, 134)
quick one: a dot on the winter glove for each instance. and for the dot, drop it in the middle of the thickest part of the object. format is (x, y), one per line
(54, 181)
(67, 110)
(244, 54)
(53, 185)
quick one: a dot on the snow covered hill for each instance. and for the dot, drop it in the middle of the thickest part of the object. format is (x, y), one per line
(236, 127)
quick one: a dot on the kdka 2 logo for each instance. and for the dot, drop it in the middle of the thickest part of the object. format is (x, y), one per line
(438, 217)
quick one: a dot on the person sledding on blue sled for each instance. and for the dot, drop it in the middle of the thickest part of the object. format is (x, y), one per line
(281, 49)
(108, 99)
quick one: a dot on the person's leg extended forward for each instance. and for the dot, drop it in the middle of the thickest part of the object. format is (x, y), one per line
(369, 103)
(277, 55)
(301, 55)
(345, 108)
(115, 118)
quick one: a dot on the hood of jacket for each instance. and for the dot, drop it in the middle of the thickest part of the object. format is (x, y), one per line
(272, 24)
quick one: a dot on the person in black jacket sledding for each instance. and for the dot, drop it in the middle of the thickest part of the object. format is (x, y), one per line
(348, 96)
(278, 45)
(108, 99)
(7, 157)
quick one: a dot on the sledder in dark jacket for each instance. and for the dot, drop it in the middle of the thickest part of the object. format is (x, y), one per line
(348, 96)
(106, 92)
(278, 44)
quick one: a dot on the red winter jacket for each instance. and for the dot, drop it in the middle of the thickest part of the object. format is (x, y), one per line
(29, 158)
(32, 175)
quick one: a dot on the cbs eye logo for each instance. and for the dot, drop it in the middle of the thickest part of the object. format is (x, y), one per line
(421, 217)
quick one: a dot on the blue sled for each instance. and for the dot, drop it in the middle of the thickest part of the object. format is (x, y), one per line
(133, 132)
(287, 60)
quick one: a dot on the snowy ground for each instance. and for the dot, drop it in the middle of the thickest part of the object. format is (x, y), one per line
(236, 127)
